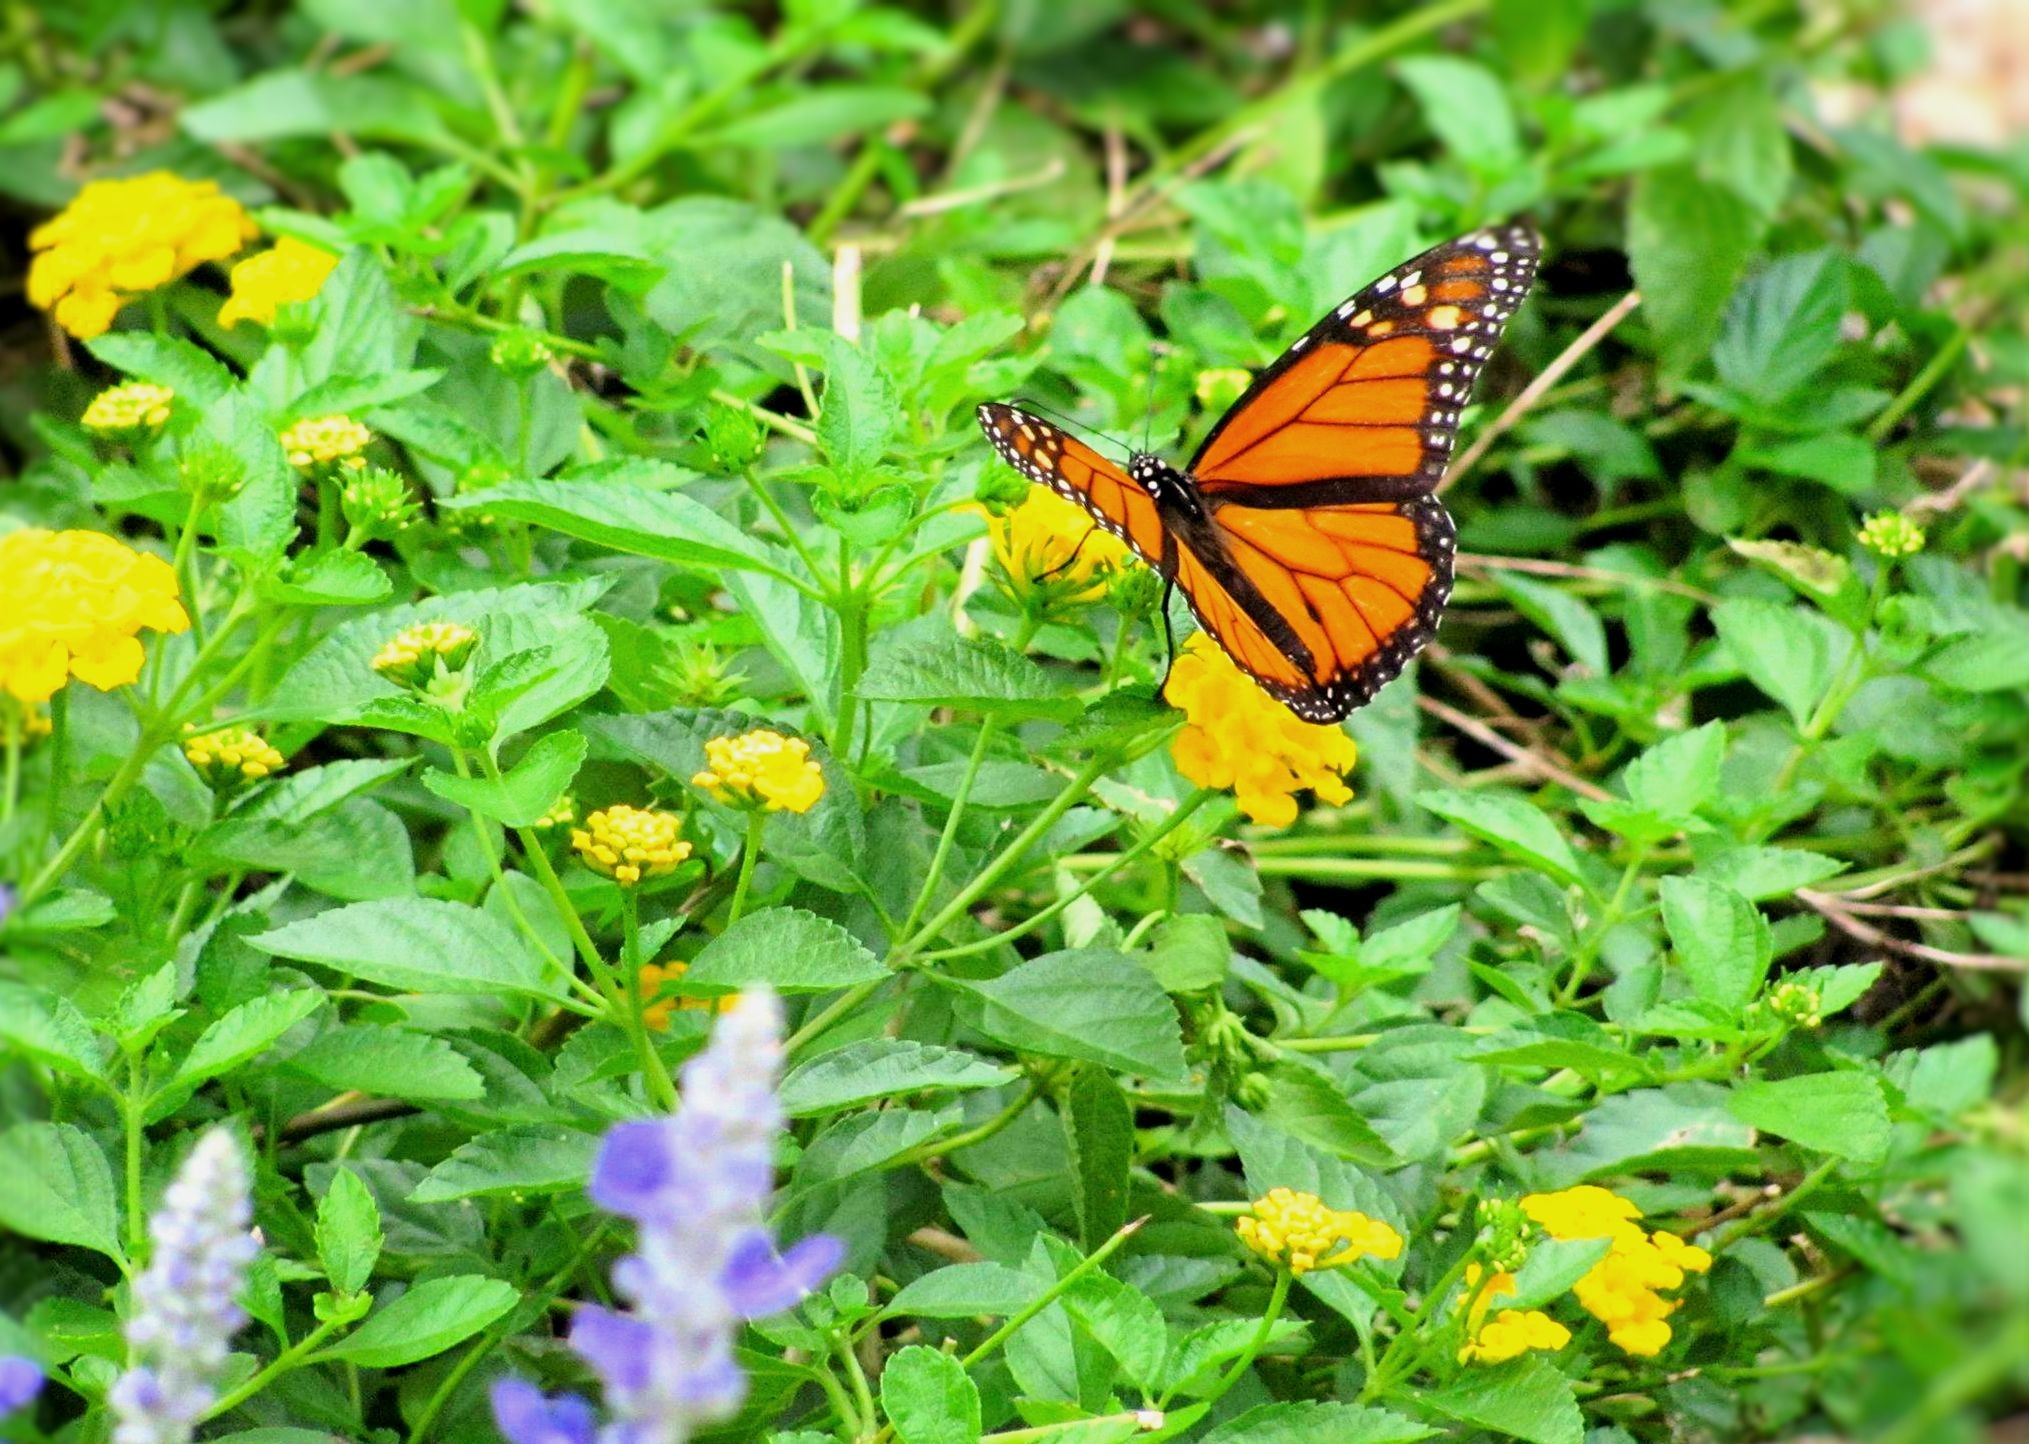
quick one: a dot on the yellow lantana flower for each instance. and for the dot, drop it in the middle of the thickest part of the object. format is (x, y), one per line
(411, 657)
(561, 813)
(124, 410)
(232, 755)
(326, 441)
(71, 603)
(630, 843)
(1237, 736)
(1624, 1289)
(291, 270)
(657, 1014)
(761, 769)
(1511, 1332)
(1051, 550)
(119, 238)
(1300, 1232)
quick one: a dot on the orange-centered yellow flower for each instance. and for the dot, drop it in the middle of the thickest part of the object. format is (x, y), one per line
(291, 270)
(761, 769)
(119, 238)
(71, 603)
(1236, 736)
(125, 410)
(1624, 1289)
(630, 843)
(1300, 1232)
(1050, 549)
(232, 755)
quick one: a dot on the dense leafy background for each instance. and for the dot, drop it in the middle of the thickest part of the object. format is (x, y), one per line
(1685, 741)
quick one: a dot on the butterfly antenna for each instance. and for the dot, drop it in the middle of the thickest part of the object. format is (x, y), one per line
(1071, 423)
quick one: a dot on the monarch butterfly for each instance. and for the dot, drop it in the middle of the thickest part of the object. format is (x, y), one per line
(1306, 533)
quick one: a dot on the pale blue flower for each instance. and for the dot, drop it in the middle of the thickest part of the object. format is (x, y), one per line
(696, 1186)
(184, 1309)
(20, 1382)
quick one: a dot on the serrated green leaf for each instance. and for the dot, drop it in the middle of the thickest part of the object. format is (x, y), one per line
(1510, 823)
(55, 1185)
(970, 672)
(1088, 1004)
(1721, 941)
(1527, 1399)
(422, 945)
(348, 1232)
(878, 1068)
(928, 1397)
(396, 1062)
(1099, 1138)
(431, 1317)
(531, 1159)
(1845, 1114)
(525, 791)
(789, 950)
(244, 1033)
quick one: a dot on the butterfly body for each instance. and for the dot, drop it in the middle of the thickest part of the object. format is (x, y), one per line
(1306, 533)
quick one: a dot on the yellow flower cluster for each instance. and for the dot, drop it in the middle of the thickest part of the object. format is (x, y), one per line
(1511, 1332)
(118, 238)
(657, 1014)
(71, 603)
(630, 843)
(761, 769)
(121, 410)
(1237, 736)
(1051, 550)
(232, 755)
(1624, 1289)
(326, 441)
(1891, 534)
(292, 270)
(412, 655)
(1298, 1231)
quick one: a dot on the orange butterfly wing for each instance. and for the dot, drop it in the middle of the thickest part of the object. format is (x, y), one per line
(1310, 543)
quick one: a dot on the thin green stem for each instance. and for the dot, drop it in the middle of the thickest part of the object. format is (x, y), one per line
(944, 1147)
(1014, 1321)
(750, 852)
(296, 1354)
(133, 1107)
(949, 836)
(1277, 1299)
(654, 1072)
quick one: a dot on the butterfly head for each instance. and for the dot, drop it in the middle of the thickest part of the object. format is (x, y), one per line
(1165, 485)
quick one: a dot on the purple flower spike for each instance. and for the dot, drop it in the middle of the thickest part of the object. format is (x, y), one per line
(759, 1282)
(20, 1382)
(184, 1310)
(526, 1416)
(634, 1170)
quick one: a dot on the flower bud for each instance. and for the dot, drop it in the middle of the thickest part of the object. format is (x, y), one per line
(521, 354)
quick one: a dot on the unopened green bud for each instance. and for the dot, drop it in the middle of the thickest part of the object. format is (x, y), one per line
(377, 502)
(521, 354)
(733, 436)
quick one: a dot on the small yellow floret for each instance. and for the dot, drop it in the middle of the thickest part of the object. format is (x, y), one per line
(761, 769)
(71, 604)
(292, 270)
(630, 843)
(326, 441)
(231, 755)
(1298, 1231)
(412, 655)
(1237, 736)
(561, 813)
(135, 406)
(656, 1013)
(119, 238)
(1891, 534)
(1624, 1289)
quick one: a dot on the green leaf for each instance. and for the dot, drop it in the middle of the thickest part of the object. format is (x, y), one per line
(1782, 326)
(428, 1319)
(525, 791)
(1552, 1267)
(1678, 775)
(1309, 1105)
(1467, 105)
(55, 1185)
(820, 115)
(975, 673)
(1188, 953)
(1568, 618)
(1318, 1421)
(395, 1062)
(1099, 1139)
(1088, 1003)
(1760, 873)
(358, 394)
(1526, 1399)
(1788, 653)
(586, 251)
(421, 945)
(865, 1142)
(1839, 459)
(49, 1030)
(1687, 240)
(1993, 660)
(530, 1159)
(667, 526)
(1815, 574)
(194, 374)
(965, 1291)
(1839, 1113)
(244, 1033)
(348, 1232)
(877, 1068)
(788, 949)
(1720, 939)
(928, 1397)
(328, 578)
(1512, 824)
(1123, 1321)
(279, 104)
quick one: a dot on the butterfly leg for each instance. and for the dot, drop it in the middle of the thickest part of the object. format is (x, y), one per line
(1072, 560)
(1169, 642)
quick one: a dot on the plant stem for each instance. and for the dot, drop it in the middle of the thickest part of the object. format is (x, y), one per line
(949, 835)
(750, 850)
(1276, 1300)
